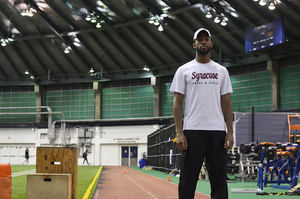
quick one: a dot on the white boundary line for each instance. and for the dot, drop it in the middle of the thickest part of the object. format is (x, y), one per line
(15, 174)
(141, 187)
(170, 182)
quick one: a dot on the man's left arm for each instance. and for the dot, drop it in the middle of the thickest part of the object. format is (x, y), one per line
(228, 116)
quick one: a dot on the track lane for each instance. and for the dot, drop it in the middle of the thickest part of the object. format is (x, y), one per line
(135, 185)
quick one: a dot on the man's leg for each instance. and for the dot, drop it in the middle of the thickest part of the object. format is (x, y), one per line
(217, 165)
(191, 163)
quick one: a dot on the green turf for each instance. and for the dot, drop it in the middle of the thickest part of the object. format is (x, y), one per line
(204, 186)
(20, 168)
(85, 176)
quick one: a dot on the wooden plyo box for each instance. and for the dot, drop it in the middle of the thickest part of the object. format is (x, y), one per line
(62, 160)
(49, 186)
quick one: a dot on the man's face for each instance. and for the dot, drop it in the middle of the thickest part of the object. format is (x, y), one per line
(203, 44)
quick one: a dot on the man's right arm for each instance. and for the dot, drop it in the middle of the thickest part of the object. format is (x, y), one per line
(178, 115)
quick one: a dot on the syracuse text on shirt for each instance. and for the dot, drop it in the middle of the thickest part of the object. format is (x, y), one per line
(198, 76)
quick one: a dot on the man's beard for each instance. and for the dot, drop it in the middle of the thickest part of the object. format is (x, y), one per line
(201, 52)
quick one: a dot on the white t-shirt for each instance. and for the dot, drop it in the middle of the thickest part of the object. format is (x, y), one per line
(202, 85)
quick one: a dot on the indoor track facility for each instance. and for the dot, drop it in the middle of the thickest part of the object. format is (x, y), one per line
(86, 109)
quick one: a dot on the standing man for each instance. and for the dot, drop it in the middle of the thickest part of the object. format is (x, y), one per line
(206, 86)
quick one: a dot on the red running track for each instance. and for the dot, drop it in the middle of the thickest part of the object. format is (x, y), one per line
(135, 184)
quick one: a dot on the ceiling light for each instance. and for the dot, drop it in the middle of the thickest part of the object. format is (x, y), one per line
(208, 15)
(160, 28)
(66, 50)
(23, 13)
(271, 6)
(28, 11)
(30, 14)
(88, 17)
(98, 25)
(92, 70)
(262, 3)
(76, 44)
(31, 77)
(217, 20)
(234, 14)
(151, 20)
(255, 0)
(146, 68)
(26, 72)
(158, 21)
(223, 23)
(100, 3)
(94, 19)
(3, 42)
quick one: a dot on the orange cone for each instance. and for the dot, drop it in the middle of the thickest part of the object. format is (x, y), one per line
(169, 178)
(124, 171)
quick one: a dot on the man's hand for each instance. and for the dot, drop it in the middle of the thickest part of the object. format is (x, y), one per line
(229, 141)
(181, 142)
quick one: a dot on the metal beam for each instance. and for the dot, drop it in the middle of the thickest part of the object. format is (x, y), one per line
(9, 18)
(151, 49)
(137, 53)
(23, 59)
(227, 44)
(291, 6)
(4, 73)
(11, 63)
(113, 42)
(76, 51)
(229, 16)
(77, 12)
(57, 32)
(65, 55)
(51, 57)
(160, 43)
(50, 23)
(108, 53)
(135, 11)
(37, 57)
(250, 6)
(91, 7)
(114, 10)
(60, 14)
(115, 26)
(92, 52)
(156, 11)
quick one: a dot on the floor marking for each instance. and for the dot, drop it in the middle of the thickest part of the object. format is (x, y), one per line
(15, 174)
(170, 182)
(142, 187)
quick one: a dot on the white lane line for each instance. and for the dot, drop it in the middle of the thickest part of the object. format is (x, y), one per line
(170, 182)
(141, 187)
(23, 173)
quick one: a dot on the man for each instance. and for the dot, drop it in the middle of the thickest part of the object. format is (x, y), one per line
(206, 86)
(26, 156)
(84, 155)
